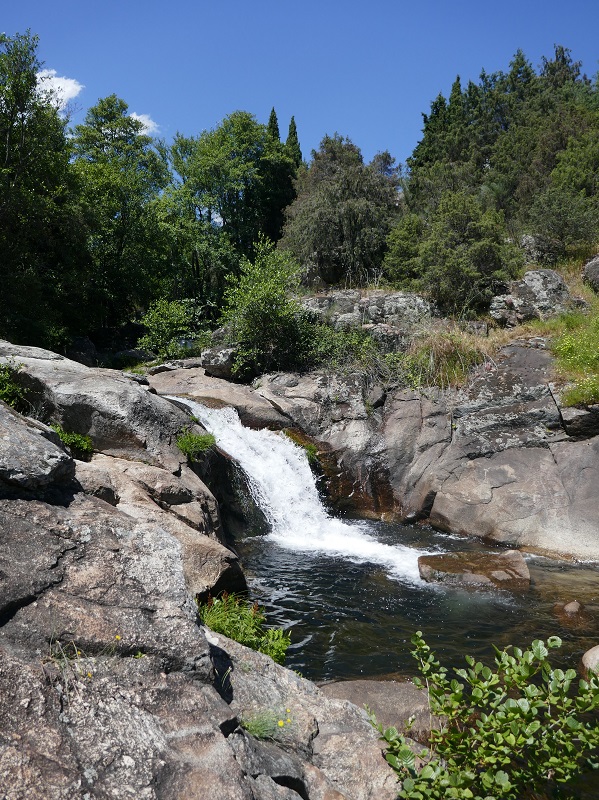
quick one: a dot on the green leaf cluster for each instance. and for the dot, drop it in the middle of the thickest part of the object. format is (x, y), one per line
(508, 732)
(244, 621)
(269, 329)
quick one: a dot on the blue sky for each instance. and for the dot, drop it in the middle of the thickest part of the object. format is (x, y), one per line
(366, 70)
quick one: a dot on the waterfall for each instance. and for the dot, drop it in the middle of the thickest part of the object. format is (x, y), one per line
(283, 485)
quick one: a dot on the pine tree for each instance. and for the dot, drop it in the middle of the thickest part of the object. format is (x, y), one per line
(292, 144)
(273, 125)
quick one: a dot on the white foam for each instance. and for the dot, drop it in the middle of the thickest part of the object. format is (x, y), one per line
(283, 485)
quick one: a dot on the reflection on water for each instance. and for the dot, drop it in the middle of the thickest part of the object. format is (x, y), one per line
(354, 619)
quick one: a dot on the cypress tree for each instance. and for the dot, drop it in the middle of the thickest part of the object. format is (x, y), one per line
(273, 125)
(292, 144)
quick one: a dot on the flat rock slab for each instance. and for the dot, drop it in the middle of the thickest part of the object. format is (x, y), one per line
(507, 570)
(254, 411)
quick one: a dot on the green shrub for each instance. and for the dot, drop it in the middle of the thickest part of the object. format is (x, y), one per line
(77, 443)
(505, 733)
(267, 724)
(193, 445)
(167, 323)
(10, 391)
(244, 622)
(270, 331)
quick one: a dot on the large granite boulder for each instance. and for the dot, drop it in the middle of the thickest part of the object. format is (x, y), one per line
(590, 274)
(540, 294)
(195, 384)
(122, 417)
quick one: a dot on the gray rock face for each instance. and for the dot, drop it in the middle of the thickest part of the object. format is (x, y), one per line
(590, 273)
(120, 415)
(499, 459)
(108, 687)
(218, 361)
(386, 316)
(30, 453)
(540, 294)
(506, 570)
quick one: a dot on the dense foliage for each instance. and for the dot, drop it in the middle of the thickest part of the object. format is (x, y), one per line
(510, 733)
(102, 225)
(338, 223)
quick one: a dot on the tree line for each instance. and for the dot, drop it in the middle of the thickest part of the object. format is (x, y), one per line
(101, 221)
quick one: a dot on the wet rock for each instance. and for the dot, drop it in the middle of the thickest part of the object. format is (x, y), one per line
(507, 570)
(572, 614)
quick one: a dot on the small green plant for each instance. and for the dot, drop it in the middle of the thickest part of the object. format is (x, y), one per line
(78, 444)
(244, 621)
(267, 724)
(309, 448)
(505, 733)
(10, 391)
(194, 445)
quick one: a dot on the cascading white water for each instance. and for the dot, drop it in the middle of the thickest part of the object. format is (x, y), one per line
(283, 485)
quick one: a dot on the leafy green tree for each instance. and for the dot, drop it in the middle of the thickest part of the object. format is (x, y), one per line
(237, 176)
(166, 322)
(292, 144)
(465, 255)
(337, 225)
(42, 249)
(402, 260)
(122, 174)
(273, 126)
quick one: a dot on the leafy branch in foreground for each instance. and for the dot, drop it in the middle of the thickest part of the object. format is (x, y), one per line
(505, 733)
(244, 621)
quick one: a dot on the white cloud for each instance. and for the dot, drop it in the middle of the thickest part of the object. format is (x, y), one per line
(149, 126)
(64, 89)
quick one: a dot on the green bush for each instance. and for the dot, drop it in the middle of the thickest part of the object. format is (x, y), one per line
(505, 733)
(193, 445)
(244, 622)
(77, 443)
(10, 391)
(270, 331)
(169, 321)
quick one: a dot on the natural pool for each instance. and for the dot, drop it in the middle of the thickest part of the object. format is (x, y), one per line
(354, 619)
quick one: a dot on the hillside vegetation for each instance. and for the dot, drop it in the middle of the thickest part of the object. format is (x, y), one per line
(102, 226)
